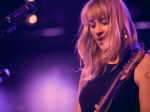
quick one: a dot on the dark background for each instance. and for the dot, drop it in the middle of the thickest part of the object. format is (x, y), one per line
(34, 60)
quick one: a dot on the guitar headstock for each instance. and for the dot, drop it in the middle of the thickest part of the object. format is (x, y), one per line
(131, 64)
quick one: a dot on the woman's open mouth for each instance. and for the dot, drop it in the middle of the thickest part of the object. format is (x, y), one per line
(100, 39)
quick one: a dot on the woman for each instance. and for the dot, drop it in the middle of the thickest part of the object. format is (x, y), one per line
(107, 38)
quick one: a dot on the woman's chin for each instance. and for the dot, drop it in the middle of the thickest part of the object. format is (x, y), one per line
(101, 46)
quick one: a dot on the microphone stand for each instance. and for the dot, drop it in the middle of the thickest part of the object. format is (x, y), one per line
(7, 28)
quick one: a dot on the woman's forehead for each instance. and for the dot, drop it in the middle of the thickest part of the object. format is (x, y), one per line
(99, 17)
(95, 14)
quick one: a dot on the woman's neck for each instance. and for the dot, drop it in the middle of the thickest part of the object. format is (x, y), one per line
(115, 61)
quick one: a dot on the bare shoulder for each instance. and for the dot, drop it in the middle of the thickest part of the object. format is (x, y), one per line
(142, 71)
(146, 59)
(142, 79)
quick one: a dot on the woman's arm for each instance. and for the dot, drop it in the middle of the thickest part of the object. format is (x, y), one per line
(82, 83)
(142, 79)
(77, 107)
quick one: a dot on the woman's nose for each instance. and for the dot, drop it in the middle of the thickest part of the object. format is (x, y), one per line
(99, 34)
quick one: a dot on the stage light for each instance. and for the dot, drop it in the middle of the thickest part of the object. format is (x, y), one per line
(32, 19)
(30, 0)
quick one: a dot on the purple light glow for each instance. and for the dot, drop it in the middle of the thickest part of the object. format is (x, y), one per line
(142, 25)
(5, 105)
(49, 92)
(44, 84)
(53, 32)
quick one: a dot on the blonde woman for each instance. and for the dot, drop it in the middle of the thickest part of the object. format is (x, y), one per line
(107, 37)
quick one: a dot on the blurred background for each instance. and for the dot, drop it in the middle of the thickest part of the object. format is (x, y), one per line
(41, 56)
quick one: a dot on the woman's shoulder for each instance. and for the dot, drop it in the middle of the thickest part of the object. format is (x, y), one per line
(145, 61)
(142, 79)
(143, 69)
(147, 56)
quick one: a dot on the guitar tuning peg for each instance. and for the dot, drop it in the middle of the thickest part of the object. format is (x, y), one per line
(134, 54)
(129, 61)
(126, 64)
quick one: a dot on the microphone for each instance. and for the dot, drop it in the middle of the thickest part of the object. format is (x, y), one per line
(4, 74)
(8, 24)
(27, 8)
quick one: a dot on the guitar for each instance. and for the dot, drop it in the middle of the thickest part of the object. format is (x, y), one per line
(125, 74)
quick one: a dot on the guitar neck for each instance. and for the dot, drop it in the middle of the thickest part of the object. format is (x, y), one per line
(106, 100)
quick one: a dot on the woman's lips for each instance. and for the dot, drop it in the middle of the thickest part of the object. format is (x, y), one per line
(100, 39)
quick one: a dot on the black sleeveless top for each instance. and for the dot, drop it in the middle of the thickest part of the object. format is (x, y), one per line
(125, 100)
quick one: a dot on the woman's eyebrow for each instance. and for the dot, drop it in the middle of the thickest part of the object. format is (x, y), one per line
(102, 18)
(90, 21)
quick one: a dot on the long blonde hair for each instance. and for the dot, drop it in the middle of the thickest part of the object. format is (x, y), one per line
(122, 34)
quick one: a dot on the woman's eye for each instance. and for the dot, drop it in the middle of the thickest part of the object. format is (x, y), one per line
(104, 23)
(93, 26)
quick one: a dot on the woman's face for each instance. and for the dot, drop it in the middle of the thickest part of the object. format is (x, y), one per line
(99, 30)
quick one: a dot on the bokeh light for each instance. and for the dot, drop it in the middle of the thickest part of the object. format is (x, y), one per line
(32, 19)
